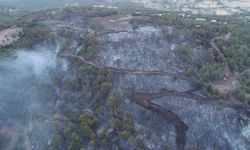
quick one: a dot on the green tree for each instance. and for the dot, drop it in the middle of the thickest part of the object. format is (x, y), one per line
(210, 55)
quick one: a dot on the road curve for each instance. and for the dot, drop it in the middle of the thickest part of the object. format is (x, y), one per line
(180, 126)
(134, 72)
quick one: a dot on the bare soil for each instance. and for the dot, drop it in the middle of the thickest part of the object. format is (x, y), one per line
(10, 35)
(115, 22)
(227, 85)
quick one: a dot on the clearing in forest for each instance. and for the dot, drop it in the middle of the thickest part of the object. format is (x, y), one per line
(9, 35)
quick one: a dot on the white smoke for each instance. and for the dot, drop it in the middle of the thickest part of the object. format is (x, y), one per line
(29, 63)
(25, 83)
(36, 63)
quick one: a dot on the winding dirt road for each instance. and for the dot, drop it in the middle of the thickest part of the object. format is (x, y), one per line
(219, 51)
(134, 72)
(163, 93)
(145, 99)
(230, 80)
(180, 126)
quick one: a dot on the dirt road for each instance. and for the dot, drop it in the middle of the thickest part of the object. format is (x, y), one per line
(134, 72)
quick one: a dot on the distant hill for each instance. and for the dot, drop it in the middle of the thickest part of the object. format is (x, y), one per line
(42, 4)
(217, 7)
